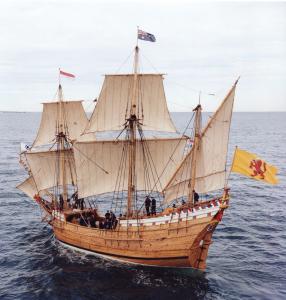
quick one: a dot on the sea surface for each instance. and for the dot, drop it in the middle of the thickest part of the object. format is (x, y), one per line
(246, 261)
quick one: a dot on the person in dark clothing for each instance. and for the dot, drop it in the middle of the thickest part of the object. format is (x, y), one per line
(88, 219)
(107, 222)
(113, 220)
(74, 197)
(81, 221)
(147, 205)
(101, 225)
(153, 207)
(196, 197)
(81, 202)
(77, 203)
(115, 223)
(92, 221)
(107, 215)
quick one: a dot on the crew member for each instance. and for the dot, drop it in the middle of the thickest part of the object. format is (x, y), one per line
(147, 205)
(153, 207)
(113, 220)
(107, 222)
(81, 202)
(74, 196)
(196, 197)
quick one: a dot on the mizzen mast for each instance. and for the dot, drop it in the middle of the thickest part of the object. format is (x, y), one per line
(196, 146)
(132, 127)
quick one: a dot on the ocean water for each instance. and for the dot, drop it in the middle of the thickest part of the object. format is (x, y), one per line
(246, 261)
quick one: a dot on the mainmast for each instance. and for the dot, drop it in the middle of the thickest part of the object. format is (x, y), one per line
(196, 145)
(61, 138)
(132, 126)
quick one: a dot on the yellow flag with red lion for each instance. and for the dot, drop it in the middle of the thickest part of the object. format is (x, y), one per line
(251, 165)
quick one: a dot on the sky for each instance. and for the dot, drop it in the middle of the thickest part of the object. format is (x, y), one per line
(201, 46)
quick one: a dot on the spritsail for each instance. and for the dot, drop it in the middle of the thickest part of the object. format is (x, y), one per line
(28, 187)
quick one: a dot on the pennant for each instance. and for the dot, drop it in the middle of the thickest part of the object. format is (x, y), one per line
(252, 166)
(66, 74)
(145, 36)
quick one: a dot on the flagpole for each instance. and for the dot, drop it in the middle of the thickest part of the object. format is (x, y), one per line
(233, 158)
(230, 167)
(137, 36)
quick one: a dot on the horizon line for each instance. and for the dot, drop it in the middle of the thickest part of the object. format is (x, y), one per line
(250, 111)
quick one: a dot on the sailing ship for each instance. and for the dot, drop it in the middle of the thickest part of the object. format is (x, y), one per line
(129, 151)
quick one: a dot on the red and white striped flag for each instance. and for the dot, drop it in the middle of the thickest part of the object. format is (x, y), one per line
(66, 74)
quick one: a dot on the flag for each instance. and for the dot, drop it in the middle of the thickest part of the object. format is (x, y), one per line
(66, 74)
(251, 165)
(145, 36)
(24, 147)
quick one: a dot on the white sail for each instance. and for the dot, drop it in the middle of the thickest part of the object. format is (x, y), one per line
(98, 164)
(28, 187)
(211, 156)
(44, 168)
(113, 107)
(73, 115)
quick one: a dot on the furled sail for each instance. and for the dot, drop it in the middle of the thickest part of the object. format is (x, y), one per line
(113, 107)
(44, 168)
(98, 164)
(74, 117)
(211, 156)
(28, 187)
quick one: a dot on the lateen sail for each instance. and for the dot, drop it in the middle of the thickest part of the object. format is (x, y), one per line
(114, 102)
(74, 118)
(92, 159)
(211, 156)
(43, 166)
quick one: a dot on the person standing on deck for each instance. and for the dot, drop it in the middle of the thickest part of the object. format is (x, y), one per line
(74, 197)
(107, 221)
(153, 207)
(81, 202)
(147, 205)
(196, 197)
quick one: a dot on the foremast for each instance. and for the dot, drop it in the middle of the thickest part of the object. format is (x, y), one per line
(196, 146)
(61, 139)
(132, 127)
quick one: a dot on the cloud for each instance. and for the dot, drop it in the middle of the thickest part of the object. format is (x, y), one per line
(201, 46)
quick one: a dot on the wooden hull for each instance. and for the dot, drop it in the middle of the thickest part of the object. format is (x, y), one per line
(173, 262)
(179, 244)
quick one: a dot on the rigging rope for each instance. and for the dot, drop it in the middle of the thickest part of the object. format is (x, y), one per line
(96, 164)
